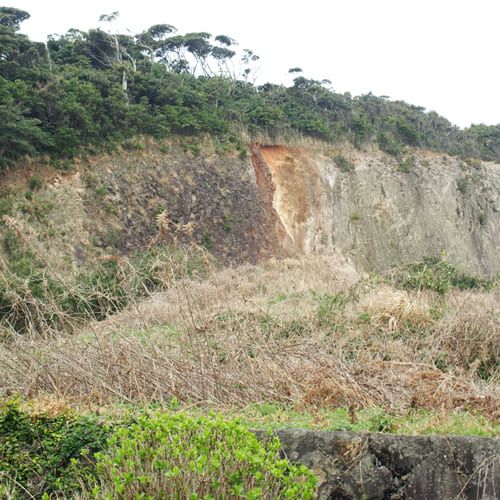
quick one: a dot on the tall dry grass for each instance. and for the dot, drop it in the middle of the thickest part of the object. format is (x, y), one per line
(300, 331)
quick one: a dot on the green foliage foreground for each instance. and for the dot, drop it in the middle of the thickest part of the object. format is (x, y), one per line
(146, 456)
(40, 455)
(175, 456)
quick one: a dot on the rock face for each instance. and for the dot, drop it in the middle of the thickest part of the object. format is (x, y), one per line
(217, 195)
(352, 466)
(381, 212)
(285, 200)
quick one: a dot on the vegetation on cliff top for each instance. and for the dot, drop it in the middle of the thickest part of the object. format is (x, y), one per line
(99, 89)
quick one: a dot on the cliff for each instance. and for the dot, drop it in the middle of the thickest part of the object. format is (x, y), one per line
(382, 213)
(279, 200)
(303, 331)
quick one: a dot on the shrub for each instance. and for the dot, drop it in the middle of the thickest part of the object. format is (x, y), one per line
(41, 454)
(228, 223)
(191, 147)
(388, 144)
(434, 274)
(35, 299)
(132, 145)
(6, 203)
(407, 133)
(163, 147)
(59, 164)
(473, 162)
(431, 274)
(35, 183)
(343, 163)
(462, 185)
(175, 456)
(405, 164)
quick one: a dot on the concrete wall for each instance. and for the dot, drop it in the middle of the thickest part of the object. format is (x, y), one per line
(371, 466)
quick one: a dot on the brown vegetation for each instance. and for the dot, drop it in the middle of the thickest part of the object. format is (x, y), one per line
(304, 332)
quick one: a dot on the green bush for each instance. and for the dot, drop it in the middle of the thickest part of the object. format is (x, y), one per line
(145, 456)
(132, 145)
(176, 456)
(434, 274)
(41, 455)
(462, 185)
(431, 274)
(35, 183)
(344, 164)
(406, 164)
(407, 133)
(388, 144)
(6, 205)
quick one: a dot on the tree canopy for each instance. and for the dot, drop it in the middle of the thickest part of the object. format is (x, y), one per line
(97, 88)
(12, 18)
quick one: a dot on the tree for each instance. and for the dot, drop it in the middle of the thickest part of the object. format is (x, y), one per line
(198, 45)
(108, 18)
(361, 128)
(11, 18)
(177, 45)
(18, 134)
(248, 61)
(110, 49)
(222, 53)
(407, 133)
(154, 42)
(19, 56)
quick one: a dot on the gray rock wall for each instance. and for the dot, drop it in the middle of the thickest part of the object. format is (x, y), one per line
(381, 213)
(288, 200)
(370, 466)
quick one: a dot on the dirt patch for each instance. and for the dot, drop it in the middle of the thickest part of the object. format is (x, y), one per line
(264, 179)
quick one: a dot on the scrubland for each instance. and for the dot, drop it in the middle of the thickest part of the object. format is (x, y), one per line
(307, 342)
(307, 333)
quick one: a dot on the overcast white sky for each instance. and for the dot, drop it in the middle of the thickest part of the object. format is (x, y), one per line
(439, 54)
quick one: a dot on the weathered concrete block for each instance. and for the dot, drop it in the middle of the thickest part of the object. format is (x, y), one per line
(372, 466)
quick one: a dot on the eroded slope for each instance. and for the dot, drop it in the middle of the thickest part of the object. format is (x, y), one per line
(382, 211)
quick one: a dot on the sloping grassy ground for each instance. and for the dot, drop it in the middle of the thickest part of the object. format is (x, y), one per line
(302, 332)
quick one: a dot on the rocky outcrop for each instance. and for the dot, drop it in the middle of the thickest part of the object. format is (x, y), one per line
(217, 197)
(381, 211)
(352, 465)
(282, 200)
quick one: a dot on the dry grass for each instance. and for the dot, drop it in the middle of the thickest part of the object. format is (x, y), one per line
(254, 334)
(395, 308)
